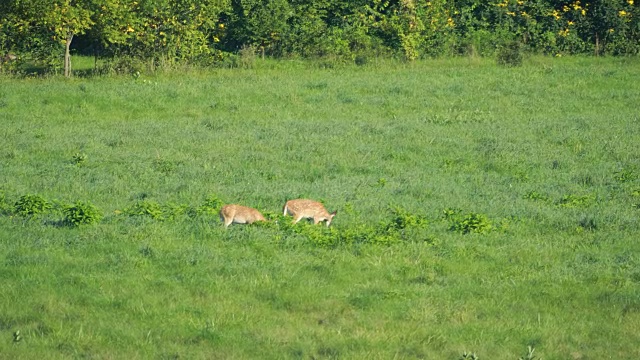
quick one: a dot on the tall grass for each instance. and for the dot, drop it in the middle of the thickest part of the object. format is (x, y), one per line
(545, 153)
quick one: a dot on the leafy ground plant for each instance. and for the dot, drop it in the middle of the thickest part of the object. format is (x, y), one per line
(81, 213)
(467, 223)
(30, 205)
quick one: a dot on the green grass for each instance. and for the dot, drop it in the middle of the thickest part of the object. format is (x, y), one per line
(546, 154)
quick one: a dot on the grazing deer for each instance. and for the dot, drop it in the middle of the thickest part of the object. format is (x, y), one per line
(9, 57)
(6, 59)
(239, 214)
(308, 209)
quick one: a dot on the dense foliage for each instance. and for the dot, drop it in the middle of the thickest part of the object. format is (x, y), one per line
(161, 32)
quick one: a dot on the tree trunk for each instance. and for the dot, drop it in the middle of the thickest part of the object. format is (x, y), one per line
(67, 56)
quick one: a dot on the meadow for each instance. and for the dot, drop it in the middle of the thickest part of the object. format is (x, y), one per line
(482, 211)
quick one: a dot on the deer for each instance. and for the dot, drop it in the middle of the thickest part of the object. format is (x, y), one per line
(308, 209)
(238, 214)
(9, 57)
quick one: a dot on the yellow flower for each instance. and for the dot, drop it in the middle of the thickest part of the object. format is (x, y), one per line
(611, 31)
(221, 26)
(622, 13)
(511, 13)
(563, 33)
(450, 22)
(630, 2)
(570, 23)
(215, 39)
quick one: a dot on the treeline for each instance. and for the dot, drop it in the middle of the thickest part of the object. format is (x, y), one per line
(207, 32)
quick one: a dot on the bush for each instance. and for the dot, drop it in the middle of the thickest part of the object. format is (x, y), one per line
(211, 205)
(470, 223)
(81, 213)
(30, 205)
(403, 219)
(145, 208)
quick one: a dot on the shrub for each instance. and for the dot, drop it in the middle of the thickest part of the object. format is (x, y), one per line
(30, 205)
(403, 219)
(81, 213)
(145, 208)
(471, 223)
(211, 205)
(172, 211)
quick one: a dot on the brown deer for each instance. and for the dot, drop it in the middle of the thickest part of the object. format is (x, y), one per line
(238, 214)
(9, 58)
(308, 209)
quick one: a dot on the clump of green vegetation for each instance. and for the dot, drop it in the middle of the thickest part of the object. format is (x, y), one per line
(81, 213)
(161, 212)
(30, 205)
(210, 206)
(145, 208)
(576, 201)
(402, 219)
(172, 211)
(536, 196)
(468, 223)
(79, 158)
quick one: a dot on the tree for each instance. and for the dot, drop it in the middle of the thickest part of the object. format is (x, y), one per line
(67, 18)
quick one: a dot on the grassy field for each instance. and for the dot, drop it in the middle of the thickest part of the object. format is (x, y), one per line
(481, 209)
